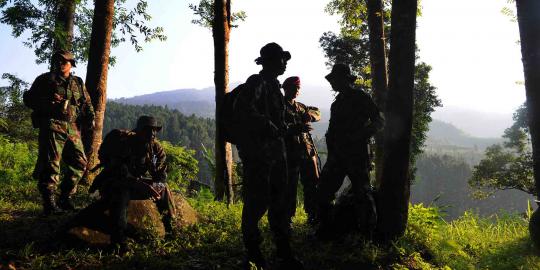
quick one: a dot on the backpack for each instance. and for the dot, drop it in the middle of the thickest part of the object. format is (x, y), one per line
(231, 128)
(112, 145)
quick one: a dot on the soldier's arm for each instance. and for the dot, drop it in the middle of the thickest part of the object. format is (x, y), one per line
(313, 113)
(376, 119)
(159, 172)
(246, 109)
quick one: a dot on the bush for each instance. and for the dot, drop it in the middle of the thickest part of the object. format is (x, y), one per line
(182, 167)
(17, 160)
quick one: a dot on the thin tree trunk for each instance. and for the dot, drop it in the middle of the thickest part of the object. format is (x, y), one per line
(221, 33)
(96, 75)
(528, 14)
(395, 186)
(65, 19)
(379, 72)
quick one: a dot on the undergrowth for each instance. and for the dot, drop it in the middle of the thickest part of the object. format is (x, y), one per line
(470, 242)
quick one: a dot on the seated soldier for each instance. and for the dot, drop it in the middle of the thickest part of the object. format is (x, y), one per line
(133, 169)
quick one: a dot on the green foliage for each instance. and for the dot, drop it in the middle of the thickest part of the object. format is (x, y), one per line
(182, 167)
(14, 116)
(215, 242)
(507, 166)
(17, 161)
(205, 14)
(38, 17)
(425, 102)
(499, 242)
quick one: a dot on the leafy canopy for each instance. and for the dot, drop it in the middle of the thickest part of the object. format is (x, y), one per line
(205, 14)
(38, 19)
(507, 166)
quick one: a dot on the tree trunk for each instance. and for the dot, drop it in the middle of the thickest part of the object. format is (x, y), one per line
(96, 75)
(395, 185)
(65, 18)
(221, 33)
(528, 14)
(379, 72)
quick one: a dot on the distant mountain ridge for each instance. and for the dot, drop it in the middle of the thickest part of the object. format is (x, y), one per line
(201, 102)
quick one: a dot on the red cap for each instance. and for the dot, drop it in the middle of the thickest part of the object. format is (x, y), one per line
(289, 82)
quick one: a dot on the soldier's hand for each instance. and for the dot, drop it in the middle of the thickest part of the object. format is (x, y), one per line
(297, 129)
(155, 194)
(57, 98)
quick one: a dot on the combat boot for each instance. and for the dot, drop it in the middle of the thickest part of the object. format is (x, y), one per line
(255, 260)
(64, 202)
(49, 205)
(286, 259)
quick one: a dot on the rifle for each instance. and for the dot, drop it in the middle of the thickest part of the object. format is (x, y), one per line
(318, 164)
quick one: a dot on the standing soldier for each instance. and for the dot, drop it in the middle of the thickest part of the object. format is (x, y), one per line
(302, 156)
(61, 105)
(260, 107)
(354, 118)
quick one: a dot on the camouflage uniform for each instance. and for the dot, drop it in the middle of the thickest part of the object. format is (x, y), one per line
(261, 107)
(302, 157)
(59, 131)
(354, 118)
(130, 168)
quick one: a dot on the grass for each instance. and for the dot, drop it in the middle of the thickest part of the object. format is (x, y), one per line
(470, 242)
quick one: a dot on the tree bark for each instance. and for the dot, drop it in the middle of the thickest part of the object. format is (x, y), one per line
(65, 20)
(379, 72)
(221, 33)
(395, 185)
(528, 15)
(96, 75)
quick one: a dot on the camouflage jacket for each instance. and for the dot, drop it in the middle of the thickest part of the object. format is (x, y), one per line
(296, 113)
(74, 107)
(260, 107)
(354, 118)
(137, 158)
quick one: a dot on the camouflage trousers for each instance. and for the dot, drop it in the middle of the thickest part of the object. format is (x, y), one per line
(353, 164)
(307, 171)
(265, 189)
(59, 141)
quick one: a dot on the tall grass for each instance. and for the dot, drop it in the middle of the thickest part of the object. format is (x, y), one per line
(470, 242)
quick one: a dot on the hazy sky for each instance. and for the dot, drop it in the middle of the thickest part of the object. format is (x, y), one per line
(470, 45)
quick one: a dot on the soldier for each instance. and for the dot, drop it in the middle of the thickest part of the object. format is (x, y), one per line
(61, 105)
(261, 108)
(354, 118)
(302, 156)
(133, 169)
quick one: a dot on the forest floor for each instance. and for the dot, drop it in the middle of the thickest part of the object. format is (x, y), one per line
(470, 242)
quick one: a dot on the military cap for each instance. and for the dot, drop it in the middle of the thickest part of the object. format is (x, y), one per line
(341, 71)
(291, 81)
(272, 50)
(66, 55)
(147, 121)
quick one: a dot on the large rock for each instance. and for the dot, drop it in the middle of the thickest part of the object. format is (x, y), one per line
(143, 220)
